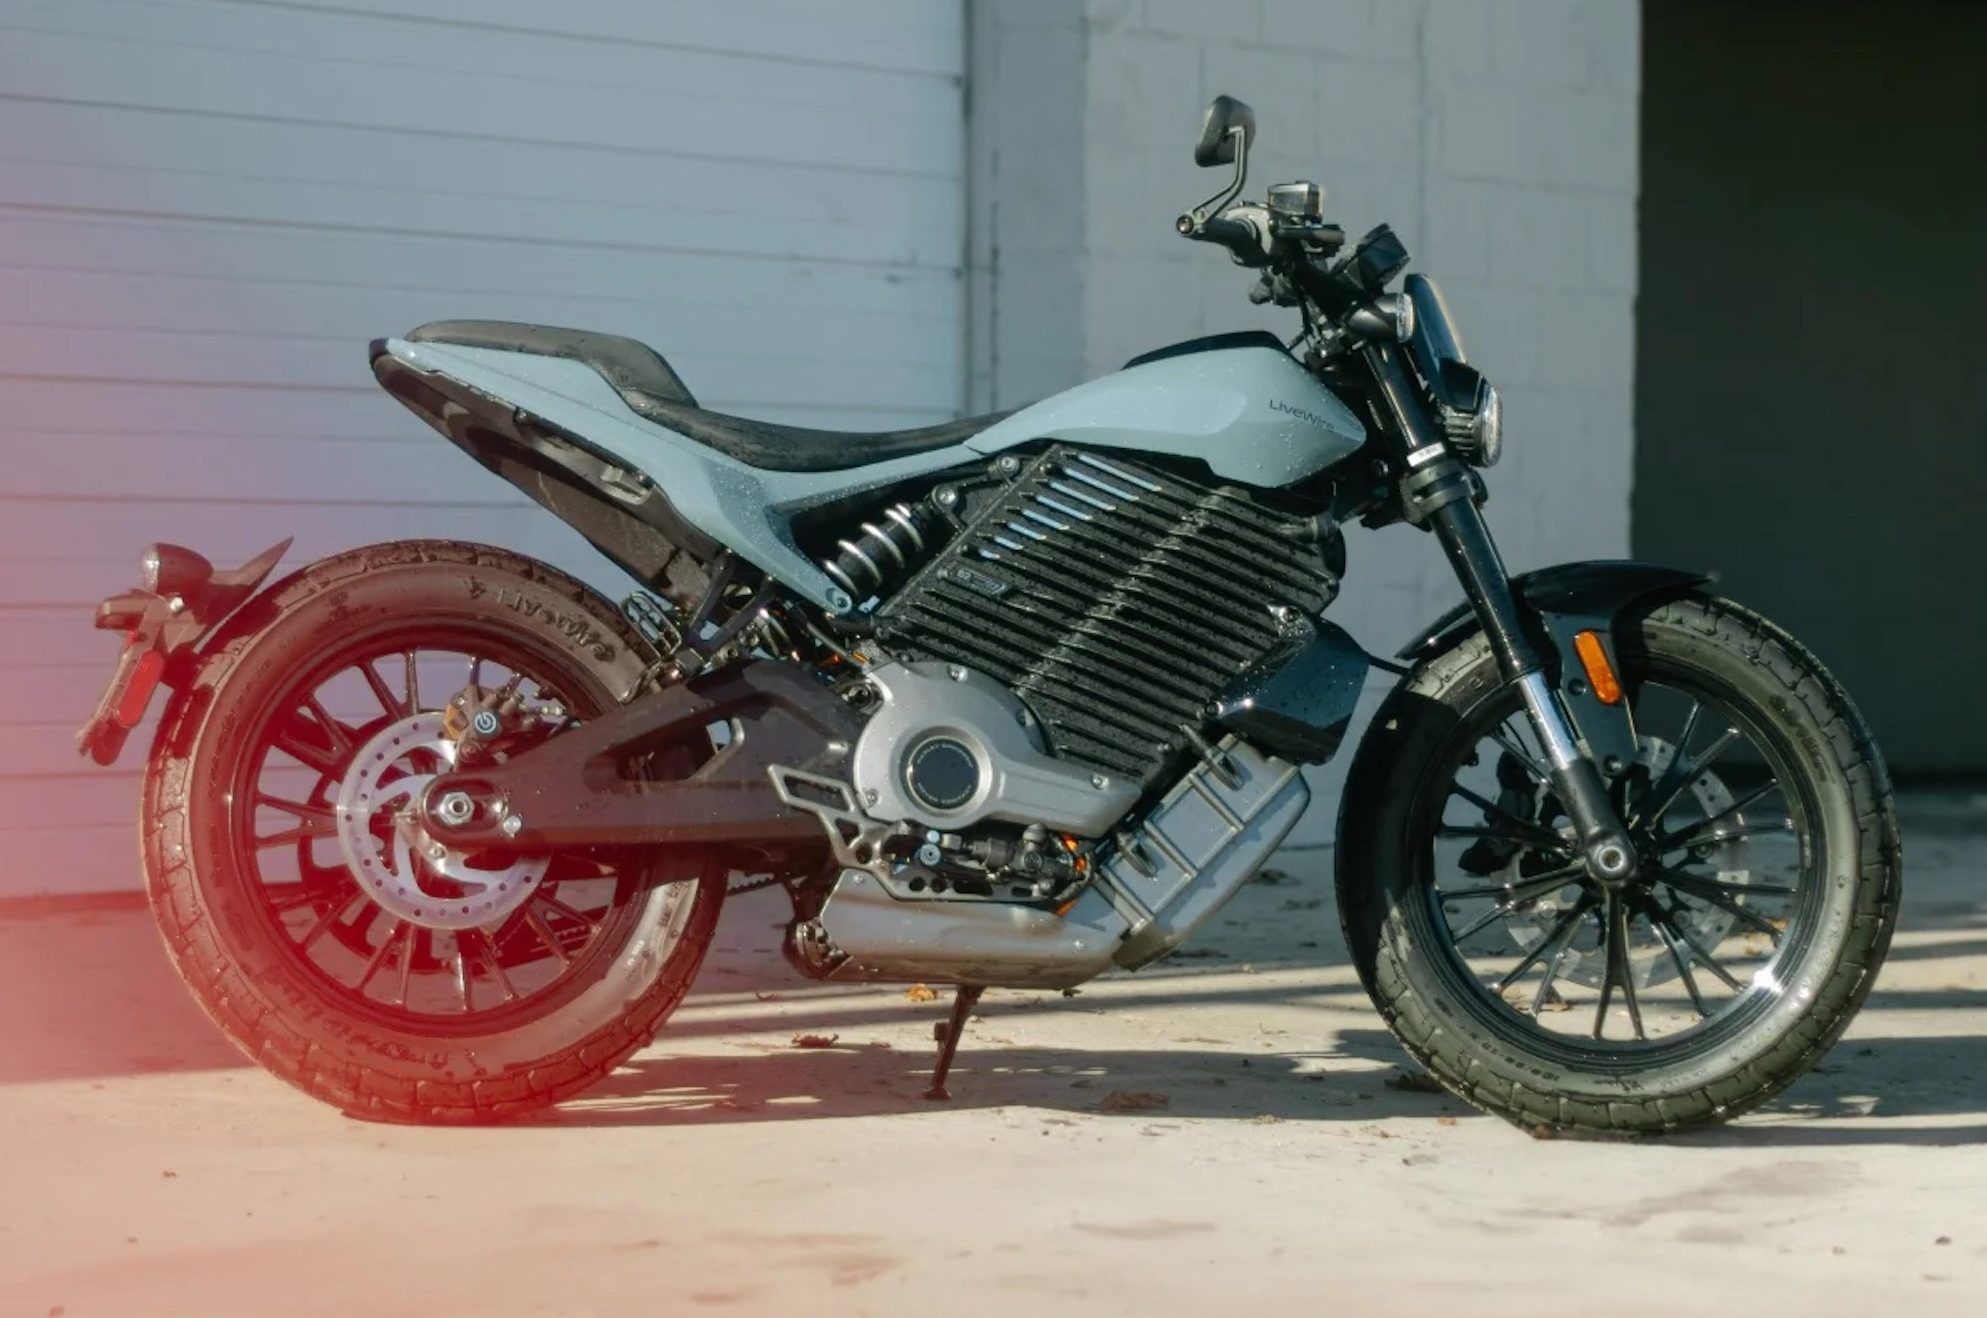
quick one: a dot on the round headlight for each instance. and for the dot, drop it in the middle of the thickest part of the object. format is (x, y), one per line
(1489, 427)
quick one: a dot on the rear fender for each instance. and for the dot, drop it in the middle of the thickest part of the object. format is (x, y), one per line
(1562, 602)
(162, 627)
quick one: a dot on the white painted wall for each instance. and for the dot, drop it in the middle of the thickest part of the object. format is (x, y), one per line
(1497, 137)
(208, 207)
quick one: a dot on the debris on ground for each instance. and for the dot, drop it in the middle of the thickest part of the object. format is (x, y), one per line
(1133, 1100)
(1273, 877)
(1414, 1082)
(815, 1040)
(1445, 1121)
(920, 993)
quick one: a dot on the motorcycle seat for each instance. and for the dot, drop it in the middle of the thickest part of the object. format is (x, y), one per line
(653, 390)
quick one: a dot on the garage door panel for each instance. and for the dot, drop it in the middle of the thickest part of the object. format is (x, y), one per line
(685, 224)
(695, 58)
(79, 551)
(30, 751)
(270, 361)
(478, 171)
(67, 801)
(207, 207)
(199, 80)
(894, 34)
(151, 413)
(84, 299)
(223, 250)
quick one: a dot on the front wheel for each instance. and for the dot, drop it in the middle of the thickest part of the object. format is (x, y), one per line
(314, 919)
(1765, 899)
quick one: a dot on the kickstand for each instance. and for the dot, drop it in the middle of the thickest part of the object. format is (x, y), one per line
(947, 1033)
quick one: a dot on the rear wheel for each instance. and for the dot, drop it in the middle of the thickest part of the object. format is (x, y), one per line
(323, 930)
(1764, 902)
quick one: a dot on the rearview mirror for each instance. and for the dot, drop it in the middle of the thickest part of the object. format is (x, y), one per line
(1227, 120)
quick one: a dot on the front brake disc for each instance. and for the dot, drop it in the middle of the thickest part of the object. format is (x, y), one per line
(1649, 965)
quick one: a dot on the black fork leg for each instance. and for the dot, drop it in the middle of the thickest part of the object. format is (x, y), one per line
(948, 1033)
(1610, 854)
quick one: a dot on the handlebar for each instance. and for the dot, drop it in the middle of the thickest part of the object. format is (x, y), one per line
(1238, 236)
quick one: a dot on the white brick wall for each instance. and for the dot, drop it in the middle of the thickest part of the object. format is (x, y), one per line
(1498, 137)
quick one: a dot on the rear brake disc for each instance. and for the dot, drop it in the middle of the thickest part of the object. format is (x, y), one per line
(398, 865)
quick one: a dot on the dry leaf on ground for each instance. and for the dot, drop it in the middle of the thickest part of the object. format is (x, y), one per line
(1132, 1100)
(815, 1040)
(919, 993)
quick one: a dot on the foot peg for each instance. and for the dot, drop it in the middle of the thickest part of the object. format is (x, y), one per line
(947, 1034)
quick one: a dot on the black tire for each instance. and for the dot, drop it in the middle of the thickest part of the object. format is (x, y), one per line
(247, 973)
(1480, 1045)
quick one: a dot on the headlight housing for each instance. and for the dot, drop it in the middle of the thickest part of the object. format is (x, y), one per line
(1477, 434)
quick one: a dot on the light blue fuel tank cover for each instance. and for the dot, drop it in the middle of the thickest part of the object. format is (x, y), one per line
(1251, 413)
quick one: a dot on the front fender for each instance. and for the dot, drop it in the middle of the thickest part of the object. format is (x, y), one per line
(1565, 600)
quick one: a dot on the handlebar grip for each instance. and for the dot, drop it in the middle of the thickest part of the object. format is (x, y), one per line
(1237, 236)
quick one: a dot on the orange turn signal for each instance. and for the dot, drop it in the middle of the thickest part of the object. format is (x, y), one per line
(1600, 674)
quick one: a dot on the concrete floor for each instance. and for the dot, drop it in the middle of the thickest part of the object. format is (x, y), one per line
(149, 1170)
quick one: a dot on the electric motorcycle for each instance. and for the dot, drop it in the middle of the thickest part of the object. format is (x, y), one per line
(437, 833)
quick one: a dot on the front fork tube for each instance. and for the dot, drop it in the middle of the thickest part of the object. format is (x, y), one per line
(1609, 854)
(1437, 477)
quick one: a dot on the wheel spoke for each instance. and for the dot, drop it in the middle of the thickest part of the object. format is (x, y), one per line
(1502, 736)
(546, 936)
(1544, 838)
(1523, 841)
(406, 968)
(313, 821)
(1563, 938)
(490, 954)
(413, 682)
(1676, 780)
(1619, 963)
(304, 894)
(1672, 920)
(299, 739)
(1715, 892)
(324, 921)
(1739, 889)
(1657, 922)
(1538, 882)
(1691, 834)
(335, 732)
(379, 955)
(555, 904)
(461, 974)
(1567, 920)
(382, 692)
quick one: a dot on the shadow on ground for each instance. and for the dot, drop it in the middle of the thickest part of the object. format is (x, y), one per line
(87, 994)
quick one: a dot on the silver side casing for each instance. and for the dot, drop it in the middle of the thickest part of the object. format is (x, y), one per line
(1019, 781)
(1194, 851)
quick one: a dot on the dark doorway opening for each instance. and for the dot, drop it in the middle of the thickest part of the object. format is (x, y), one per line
(1811, 376)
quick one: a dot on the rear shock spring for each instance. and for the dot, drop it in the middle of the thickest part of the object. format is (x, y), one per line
(881, 556)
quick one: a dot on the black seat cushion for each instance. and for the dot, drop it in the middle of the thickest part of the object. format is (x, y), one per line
(650, 388)
(794, 448)
(631, 366)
